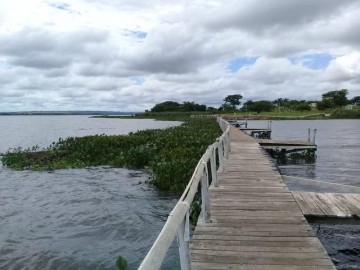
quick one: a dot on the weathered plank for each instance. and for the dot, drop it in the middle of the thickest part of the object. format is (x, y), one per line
(339, 205)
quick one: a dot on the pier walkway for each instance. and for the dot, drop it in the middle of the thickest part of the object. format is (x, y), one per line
(249, 219)
(255, 221)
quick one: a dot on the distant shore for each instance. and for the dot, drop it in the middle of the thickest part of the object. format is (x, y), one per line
(67, 113)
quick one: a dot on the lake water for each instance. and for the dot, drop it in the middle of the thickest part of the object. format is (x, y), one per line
(85, 218)
(78, 218)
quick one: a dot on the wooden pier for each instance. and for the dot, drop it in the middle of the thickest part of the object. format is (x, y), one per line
(249, 218)
(255, 221)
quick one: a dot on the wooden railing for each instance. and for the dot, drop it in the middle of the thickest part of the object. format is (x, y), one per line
(178, 223)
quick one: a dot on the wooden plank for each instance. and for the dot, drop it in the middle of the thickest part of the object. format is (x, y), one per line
(261, 254)
(323, 206)
(314, 209)
(252, 238)
(219, 246)
(356, 196)
(337, 211)
(250, 260)
(348, 204)
(305, 209)
(224, 220)
(228, 266)
(339, 204)
(354, 202)
(249, 213)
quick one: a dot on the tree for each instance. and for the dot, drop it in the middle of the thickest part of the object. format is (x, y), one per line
(167, 106)
(338, 97)
(192, 106)
(258, 106)
(231, 102)
(355, 100)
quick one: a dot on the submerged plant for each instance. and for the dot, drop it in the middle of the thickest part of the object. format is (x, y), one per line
(121, 263)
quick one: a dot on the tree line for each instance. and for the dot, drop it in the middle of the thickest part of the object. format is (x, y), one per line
(330, 100)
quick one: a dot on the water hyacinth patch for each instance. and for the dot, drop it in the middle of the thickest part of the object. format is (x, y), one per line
(170, 155)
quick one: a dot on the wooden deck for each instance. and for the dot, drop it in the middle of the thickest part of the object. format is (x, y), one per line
(256, 222)
(341, 205)
(276, 144)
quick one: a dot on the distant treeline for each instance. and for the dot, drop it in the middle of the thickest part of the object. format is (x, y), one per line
(331, 100)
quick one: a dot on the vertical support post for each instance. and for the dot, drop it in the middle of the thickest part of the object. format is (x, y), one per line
(221, 156)
(213, 167)
(269, 124)
(205, 205)
(229, 142)
(314, 135)
(308, 134)
(183, 238)
(246, 123)
(226, 152)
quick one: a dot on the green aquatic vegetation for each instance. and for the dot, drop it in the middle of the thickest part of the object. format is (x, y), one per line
(298, 157)
(346, 114)
(121, 263)
(170, 155)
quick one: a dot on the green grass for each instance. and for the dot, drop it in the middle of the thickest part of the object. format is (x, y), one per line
(170, 155)
(346, 114)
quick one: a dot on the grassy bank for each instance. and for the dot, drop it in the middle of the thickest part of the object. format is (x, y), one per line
(345, 114)
(170, 154)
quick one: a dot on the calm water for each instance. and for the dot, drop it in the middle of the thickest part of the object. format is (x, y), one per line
(85, 218)
(76, 219)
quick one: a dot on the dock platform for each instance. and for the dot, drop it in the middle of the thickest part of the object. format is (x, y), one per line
(339, 205)
(256, 223)
(287, 145)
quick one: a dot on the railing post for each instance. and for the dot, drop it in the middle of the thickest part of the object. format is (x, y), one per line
(183, 237)
(308, 134)
(227, 145)
(314, 135)
(221, 156)
(213, 167)
(226, 149)
(205, 206)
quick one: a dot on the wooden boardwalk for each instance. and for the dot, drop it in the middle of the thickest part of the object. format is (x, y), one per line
(256, 222)
(340, 205)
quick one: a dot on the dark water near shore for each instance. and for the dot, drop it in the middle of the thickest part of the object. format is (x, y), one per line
(85, 218)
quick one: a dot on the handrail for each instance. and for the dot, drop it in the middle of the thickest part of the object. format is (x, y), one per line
(177, 223)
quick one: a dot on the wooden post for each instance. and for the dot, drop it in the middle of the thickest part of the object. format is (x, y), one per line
(183, 237)
(205, 205)
(213, 167)
(308, 134)
(226, 152)
(314, 135)
(229, 142)
(221, 156)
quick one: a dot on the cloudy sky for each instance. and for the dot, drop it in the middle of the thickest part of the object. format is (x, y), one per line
(128, 55)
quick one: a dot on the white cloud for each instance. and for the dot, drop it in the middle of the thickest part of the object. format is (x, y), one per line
(129, 55)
